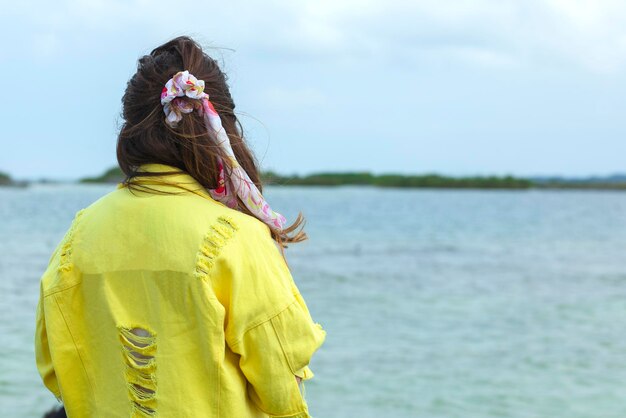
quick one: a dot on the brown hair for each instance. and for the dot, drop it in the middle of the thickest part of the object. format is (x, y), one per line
(146, 138)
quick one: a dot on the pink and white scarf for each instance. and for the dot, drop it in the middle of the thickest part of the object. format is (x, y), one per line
(184, 93)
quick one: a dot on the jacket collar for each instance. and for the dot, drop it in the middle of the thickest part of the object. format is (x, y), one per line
(171, 179)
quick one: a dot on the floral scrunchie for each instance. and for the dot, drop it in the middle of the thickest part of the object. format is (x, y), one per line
(173, 96)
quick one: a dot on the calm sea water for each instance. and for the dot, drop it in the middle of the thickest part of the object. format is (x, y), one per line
(437, 303)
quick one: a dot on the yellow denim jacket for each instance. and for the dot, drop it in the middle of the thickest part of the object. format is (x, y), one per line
(174, 306)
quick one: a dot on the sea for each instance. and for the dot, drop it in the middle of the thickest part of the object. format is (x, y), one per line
(436, 303)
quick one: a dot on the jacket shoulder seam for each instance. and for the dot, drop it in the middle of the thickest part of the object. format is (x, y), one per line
(58, 289)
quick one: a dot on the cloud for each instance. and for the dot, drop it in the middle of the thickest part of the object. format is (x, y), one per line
(587, 34)
(465, 74)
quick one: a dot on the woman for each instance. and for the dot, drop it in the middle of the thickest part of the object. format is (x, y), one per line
(169, 296)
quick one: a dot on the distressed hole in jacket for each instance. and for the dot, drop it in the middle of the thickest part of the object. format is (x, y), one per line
(139, 350)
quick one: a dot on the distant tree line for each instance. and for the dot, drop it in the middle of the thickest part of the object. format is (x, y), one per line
(5, 179)
(112, 175)
(115, 175)
(398, 180)
(581, 185)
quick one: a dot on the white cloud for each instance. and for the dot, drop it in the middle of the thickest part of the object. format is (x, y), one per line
(472, 85)
(586, 34)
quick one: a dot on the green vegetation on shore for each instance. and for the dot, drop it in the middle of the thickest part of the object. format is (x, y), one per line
(581, 185)
(112, 175)
(398, 180)
(5, 179)
(618, 182)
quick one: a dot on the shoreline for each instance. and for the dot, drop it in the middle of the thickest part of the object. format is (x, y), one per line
(385, 181)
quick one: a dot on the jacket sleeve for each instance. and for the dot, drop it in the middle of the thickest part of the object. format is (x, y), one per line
(268, 324)
(42, 348)
(273, 353)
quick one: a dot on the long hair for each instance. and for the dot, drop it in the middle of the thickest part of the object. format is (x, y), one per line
(146, 138)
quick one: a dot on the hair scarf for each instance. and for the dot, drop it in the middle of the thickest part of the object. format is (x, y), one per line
(184, 93)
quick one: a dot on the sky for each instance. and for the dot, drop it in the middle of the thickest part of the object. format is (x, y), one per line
(483, 87)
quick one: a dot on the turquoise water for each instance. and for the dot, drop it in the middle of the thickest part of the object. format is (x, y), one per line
(437, 303)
